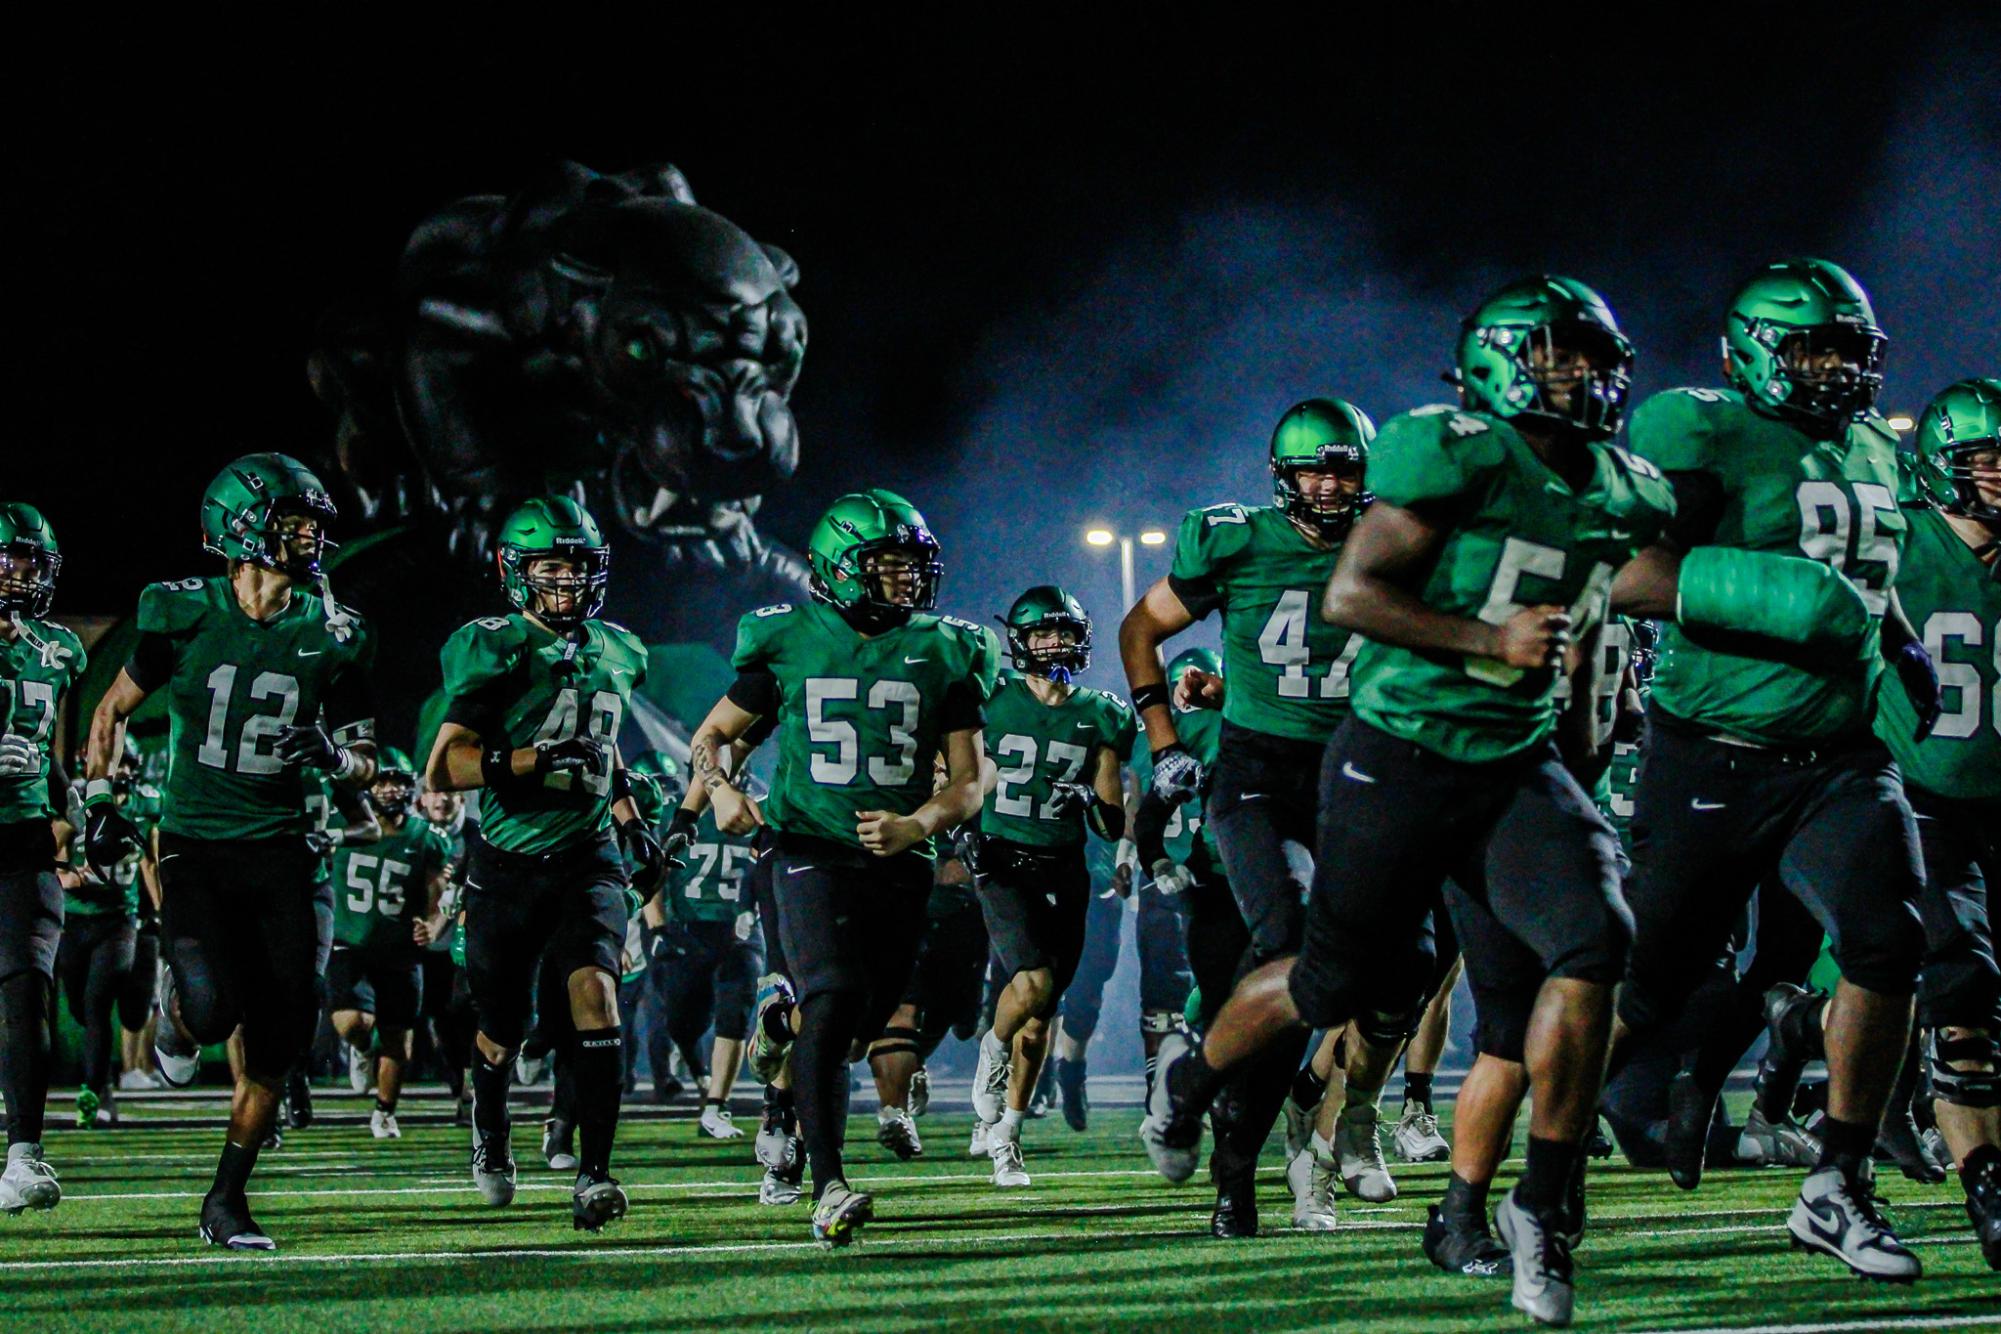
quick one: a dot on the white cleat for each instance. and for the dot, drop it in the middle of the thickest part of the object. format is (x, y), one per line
(1416, 1138)
(717, 1123)
(1787, 1144)
(976, 1147)
(1838, 1217)
(897, 1132)
(493, 1172)
(528, 1070)
(1542, 1274)
(139, 1081)
(1006, 1155)
(838, 1217)
(383, 1125)
(774, 1146)
(359, 1069)
(1174, 1160)
(990, 1079)
(28, 1182)
(778, 1188)
(920, 1092)
(1360, 1150)
(1311, 1176)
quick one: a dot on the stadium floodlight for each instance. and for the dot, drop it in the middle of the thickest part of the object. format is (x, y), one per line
(1100, 537)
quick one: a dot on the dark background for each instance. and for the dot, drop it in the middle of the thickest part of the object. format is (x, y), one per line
(1054, 275)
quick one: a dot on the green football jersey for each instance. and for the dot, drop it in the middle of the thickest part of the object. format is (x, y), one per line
(711, 887)
(510, 680)
(1954, 603)
(236, 685)
(1037, 745)
(1520, 537)
(1288, 669)
(381, 888)
(30, 686)
(1615, 796)
(1786, 493)
(1201, 734)
(859, 718)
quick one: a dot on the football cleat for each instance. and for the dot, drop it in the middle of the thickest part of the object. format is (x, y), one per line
(1358, 1146)
(990, 1077)
(895, 1131)
(1465, 1247)
(1006, 1155)
(493, 1170)
(1235, 1217)
(1173, 1143)
(1072, 1094)
(1838, 1216)
(976, 1147)
(1982, 1180)
(1691, 1108)
(1298, 1128)
(596, 1203)
(1543, 1280)
(28, 1182)
(840, 1213)
(298, 1099)
(1899, 1142)
(226, 1221)
(559, 1145)
(528, 1070)
(274, 1140)
(781, 1186)
(717, 1123)
(920, 1092)
(139, 1081)
(382, 1125)
(1310, 1176)
(359, 1069)
(777, 1144)
(177, 1059)
(1416, 1138)
(767, 1053)
(1598, 1144)
(1786, 1144)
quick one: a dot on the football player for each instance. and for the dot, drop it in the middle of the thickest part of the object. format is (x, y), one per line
(1059, 750)
(1950, 586)
(267, 681)
(535, 700)
(448, 1021)
(388, 899)
(38, 661)
(867, 684)
(1263, 568)
(1490, 548)
(1776, 586)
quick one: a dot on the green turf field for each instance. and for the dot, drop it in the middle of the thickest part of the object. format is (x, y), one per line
(391, 1236)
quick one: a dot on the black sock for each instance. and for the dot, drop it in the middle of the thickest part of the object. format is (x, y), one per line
(489, 1097)
(598, 1062)
(1465, 1202)
(563, 1084)
(1844, 1144)
(232, 1170)
(1417, 1088)
(1983, 1158)
(1307, 1089)
(1800, 1026)
(25, 999)
(820, 1079)
(1547, 1172)
(386, 1107)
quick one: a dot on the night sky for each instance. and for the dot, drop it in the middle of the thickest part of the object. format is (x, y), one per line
(1052, 277)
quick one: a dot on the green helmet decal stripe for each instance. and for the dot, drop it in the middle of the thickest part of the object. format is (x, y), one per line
(1496, 361)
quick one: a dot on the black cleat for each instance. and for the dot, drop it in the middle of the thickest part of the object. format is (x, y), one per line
(1983, 1205)
(596, 1203)
(1465, 1247)
(1899, 1142)
(1598, 1144)
(1236, 1213)
(226, 1221)
(298, 1100)
(1690, 1110)
(1569, 1217)
(1071, 1092)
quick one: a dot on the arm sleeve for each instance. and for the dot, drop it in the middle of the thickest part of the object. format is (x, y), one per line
(761, 730)
(152, 662)
(756, 690)
(1208, 538)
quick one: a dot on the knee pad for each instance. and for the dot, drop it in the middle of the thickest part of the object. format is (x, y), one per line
(1384, 1029)
(1158, 1021)
(1956, 1074)
(1884, 958)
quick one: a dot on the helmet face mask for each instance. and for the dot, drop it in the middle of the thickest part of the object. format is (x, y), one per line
(874, 560)
(393, 791)
(1048, 634)
(1801, 343)
(1958, 450)
(1319, 455)
(1546, 352)
(554, 564)
(1327, 499)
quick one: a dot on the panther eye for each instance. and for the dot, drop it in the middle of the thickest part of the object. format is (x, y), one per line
(639, 349)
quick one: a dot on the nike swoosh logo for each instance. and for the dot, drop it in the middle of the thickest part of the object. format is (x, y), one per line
(1260, 796)
(796, 870)
(1825, 1222)
(313, 654)
(1698, 804)
(1348, 770)
(909, 662)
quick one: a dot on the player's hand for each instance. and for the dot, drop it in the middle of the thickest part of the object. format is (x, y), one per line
(19, 757)
(643, 849)
(1920, 677)
(680, 837)
(966, 845)
(1535, 637)
(320, 842)
(109, 836)
(1067, 797)
(426, 930)
(1125, 867)
(885, 833)
(1171, 877)
(580, 755)
(1198, 689)
(309, 747)
(736, 813)
(1177, 775)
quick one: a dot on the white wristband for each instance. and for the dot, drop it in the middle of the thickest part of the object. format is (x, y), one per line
(96, 788)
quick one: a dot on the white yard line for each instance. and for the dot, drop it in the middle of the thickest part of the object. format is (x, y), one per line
(1832, 1326)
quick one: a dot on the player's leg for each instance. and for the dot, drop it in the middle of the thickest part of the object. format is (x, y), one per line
(351, 1009)
(586, 952)
(31, 922)
(894, 1059)
(1082, 1006)
(1456, 1236)
(1416, 1134)
(1787, 941)
(93, 972)
(734, 986)
(507, 924)
(135, 1008)
(1059, 918)
(399, 1000)
(1012, 889)
(1160, 929)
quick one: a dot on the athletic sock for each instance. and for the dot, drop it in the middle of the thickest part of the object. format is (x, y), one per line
(1844, 1144)
(232, 1170)
(828, 1022)
(598, 1062)
(489, 1097)
(1194, 1083)
(1465, 1202)
(25, 999)
(1010, 1123)
(1307, 1089)
(1417, 1090)
(386, 1107)
(1546, 1173)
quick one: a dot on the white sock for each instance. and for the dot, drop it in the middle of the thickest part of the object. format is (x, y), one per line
(887, 1113)
(1009, 1126)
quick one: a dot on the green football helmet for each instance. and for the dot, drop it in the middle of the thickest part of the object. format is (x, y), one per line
(244, 510)
(1207, 659)
(1321, 435)
(847, 551)
(1962, 422)
(1047, 607)
(395, 787)
(1792, 315)
(554, 527)
(661, 766)
(1499, 343)
(29, 561)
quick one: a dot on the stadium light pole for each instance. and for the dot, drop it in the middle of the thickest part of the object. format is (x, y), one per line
(1103, 539)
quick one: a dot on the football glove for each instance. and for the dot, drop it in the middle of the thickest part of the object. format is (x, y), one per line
(1177, 775)
(966, 845)
(680, 837)
(1920, 677)
(310, 747)
(321, 842)
(1067, 797)
(643, 849)
(109, 836)
(1171, 877)
(579, 755)
(19, 757)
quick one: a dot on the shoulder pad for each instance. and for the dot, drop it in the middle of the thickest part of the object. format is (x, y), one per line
(624, 638)
(1672, 429)
(173, 606)
(480, 651)
(1211, 535)
(1460, 422)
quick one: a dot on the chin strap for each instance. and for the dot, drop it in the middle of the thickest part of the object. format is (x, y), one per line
(340, 622)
